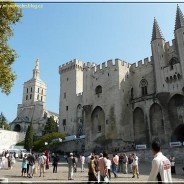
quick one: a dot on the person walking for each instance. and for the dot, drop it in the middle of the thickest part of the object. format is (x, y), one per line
(24, 166)
(92, 173)
(103, 168)
(55, 163)
(31, 160)
(10, 162)
(70, 167)
(130, 160)
(135, 167)
(115, 165)
(172, 160)
(125, 162)
(41, 162)
(161, 166)
(109, 163)
(120, 169)
(82, 160)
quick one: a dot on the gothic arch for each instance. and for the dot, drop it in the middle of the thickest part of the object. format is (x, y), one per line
(176, 110)
(178, 133)
(79, 115)
(98, 121)
(98, 89)
(17, 128)
(156, 121)
(144, 87)
(139, 125)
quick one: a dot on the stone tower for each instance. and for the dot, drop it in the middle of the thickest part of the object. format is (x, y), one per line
(71, 88)
(158, 53)
(179, 36)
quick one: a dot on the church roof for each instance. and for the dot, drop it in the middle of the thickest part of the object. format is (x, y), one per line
(179, 22)
(156, 32)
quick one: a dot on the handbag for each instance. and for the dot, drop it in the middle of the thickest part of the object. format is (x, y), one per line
(106, 179)
(35, 170)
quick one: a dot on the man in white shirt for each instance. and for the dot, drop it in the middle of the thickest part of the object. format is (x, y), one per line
(161, 166)
(82, 159)
(41, 161)
(135, 168)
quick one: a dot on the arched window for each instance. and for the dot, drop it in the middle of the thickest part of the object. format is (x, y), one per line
(132, 93)
(167, 79)
(98, 90)
(172, 62)
(144, 85)
(179, 76)
(175, 77)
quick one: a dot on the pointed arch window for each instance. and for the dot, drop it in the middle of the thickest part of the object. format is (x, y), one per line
(172, 62)
(144, 86)
(98, 90)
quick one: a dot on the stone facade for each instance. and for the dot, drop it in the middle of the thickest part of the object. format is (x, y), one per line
(119, 102)
(33, 107)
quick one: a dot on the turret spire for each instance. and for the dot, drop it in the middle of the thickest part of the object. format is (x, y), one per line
(179, 22)
(36, 70)
(156, 33)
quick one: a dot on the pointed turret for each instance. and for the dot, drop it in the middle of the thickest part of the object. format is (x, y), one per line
(156, 33)
(179, 22)
(36, 70)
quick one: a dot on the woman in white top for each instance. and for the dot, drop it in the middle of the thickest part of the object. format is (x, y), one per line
(109, 163)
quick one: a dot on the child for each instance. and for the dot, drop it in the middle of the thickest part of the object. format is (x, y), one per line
(24, 166)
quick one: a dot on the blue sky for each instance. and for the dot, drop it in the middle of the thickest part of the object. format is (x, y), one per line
(94, 32)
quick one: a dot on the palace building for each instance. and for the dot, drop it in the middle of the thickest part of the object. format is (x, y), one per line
(117, 103)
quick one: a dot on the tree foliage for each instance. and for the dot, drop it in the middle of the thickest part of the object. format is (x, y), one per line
(51, 126)
(28, 144)
(4, 122)
(10, 14)
(39, 144)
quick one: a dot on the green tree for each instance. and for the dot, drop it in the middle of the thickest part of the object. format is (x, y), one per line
(4, 122)
(28, 144)
(39, 144)
(10, 14)
(51, 126)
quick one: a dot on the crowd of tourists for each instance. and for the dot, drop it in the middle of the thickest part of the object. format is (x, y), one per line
(7, 160)
(99, 167)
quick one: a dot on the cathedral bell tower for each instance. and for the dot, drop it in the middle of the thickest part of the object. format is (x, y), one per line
(34, 89)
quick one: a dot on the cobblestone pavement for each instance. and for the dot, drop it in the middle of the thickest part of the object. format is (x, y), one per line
(62, 174)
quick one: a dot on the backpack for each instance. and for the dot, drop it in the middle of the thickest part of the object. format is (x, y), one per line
(42, 160)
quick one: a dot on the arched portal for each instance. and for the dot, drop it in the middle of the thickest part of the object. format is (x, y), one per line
(79, 116)
(140, 133)
(17, 128)
(156, 122)
(98, 121)
(178, 133)
(176, 110)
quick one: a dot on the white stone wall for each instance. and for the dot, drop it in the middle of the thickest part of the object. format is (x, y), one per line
(9, 138)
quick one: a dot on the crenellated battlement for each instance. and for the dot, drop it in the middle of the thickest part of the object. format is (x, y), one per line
(110, 64)
(141, 64)
(170, 47)
(73, 64)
